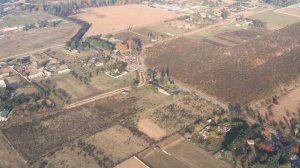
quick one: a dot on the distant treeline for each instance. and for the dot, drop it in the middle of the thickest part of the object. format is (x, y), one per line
(281, 2)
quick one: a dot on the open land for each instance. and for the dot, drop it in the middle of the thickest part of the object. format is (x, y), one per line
(116, 18)
(231, 27)
(132, 163)
(41, 136)
(165, 28)
(293, 10)
(180, 153)
(9, 156)
(288, 106)
(276, 20)
(99, 84)
(23, 18)
(240, 74)
(103, 149)
(22, 42)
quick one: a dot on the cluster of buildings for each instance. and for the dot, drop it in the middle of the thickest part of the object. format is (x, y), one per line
(43, 66)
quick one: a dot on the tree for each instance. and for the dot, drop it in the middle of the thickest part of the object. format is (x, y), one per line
(225, 14)
(273, 162)
(259, 23)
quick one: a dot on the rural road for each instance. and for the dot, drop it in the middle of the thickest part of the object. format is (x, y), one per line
(95, 98)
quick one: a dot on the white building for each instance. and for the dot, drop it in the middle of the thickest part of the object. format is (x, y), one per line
(2, 84)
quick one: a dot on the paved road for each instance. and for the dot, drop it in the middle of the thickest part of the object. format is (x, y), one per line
(96, 98)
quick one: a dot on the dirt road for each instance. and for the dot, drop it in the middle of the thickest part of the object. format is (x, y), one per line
(96, 98)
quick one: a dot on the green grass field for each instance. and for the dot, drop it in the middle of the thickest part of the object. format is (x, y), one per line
(217, 30)
(25, 18)
(276, 19)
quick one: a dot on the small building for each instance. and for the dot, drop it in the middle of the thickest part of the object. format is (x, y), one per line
(67, 70)
(250, 142)
(4, 115)
(36, 75)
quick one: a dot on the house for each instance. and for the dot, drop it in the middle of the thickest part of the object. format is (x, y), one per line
(250, 142)
(2, 84)
(4, 115)
(38, 74)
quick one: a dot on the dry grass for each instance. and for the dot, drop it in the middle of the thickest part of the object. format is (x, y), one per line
(22, 42)
(9, 158)
(116, 18)
(115, 144)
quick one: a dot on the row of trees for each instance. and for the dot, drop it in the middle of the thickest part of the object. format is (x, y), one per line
(281, 2)
(76, 40)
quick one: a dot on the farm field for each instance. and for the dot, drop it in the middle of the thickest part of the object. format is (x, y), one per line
(179, 153)
(132, 163)
(193, 156)
(23, 18)
(230, 39)
(42, 136)
(293, 10)
(9, 158)
(99, 84)
(171, 117)
(216, 31)
(103, 149)
(123, 36)
(112, 19)
(288, 106)
(22, 42)
(165, 28)
(241, 74)
(146, 32)
(276, 20)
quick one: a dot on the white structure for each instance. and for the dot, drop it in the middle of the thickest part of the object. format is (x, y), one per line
(2, 84)
(64, 71)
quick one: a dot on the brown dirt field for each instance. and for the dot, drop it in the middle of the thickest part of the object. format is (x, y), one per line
(130, 163)
(119, 18)
(241, 74)
(9, 157)
(22, 42)
(151, 129)
(294, 11)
